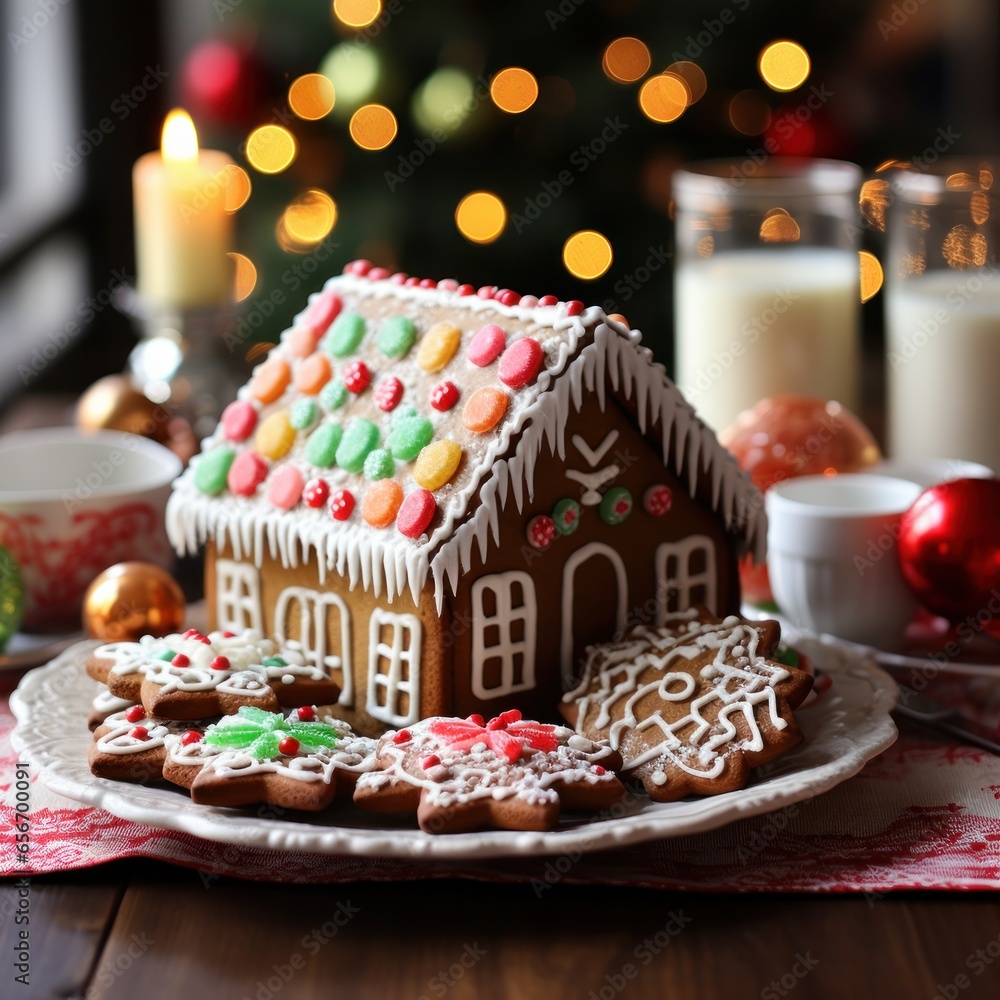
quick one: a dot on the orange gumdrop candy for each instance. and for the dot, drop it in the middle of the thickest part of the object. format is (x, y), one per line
(382, 502)
(484, 410)
(271, 380)
(313, 374)
(302, 341)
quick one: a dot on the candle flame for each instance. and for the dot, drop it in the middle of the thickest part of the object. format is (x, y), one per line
(179, 140)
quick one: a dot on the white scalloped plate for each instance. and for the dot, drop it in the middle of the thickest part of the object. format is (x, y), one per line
(843, 730)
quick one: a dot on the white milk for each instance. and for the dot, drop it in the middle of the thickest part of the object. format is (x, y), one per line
(943, 366)
(754, 323)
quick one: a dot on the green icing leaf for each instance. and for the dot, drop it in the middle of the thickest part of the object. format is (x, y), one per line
(265, 747)
(261, 733)
(257, 715)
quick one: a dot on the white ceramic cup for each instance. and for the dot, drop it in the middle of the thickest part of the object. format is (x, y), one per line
(832, 555)
(74, 503)
(931, 471)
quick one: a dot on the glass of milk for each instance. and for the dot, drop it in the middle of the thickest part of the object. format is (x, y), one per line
(943, 314)
(766, 282)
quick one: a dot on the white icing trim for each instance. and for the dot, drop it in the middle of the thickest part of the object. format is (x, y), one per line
(237, 596)
(683, 579)
(400, 654)
(505, 648)
(581, 555)
(593, 456)
(312, 640)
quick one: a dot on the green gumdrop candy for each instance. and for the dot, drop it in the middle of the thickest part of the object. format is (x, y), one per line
(321, 448)
(379, 465)
(304, 414)
(211, 471)
(358, 440)
(409, 436)
(334, 394)
(164, 654)
(275, 661)
(396, 336)
(345, 335)
(402, 413)
(11, 597)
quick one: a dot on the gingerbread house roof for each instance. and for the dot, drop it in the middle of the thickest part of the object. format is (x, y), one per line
(395, 416)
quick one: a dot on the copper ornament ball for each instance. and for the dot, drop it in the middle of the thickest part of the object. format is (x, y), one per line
(130, 600)
(113, 403)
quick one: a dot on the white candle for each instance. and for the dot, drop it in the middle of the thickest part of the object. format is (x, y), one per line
(943, 358)
(759, 322)
(183, 233)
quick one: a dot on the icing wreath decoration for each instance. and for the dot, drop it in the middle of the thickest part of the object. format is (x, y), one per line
(268, 734)
(506, 735)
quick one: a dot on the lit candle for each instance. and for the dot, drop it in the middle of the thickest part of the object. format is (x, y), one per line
(183, 233)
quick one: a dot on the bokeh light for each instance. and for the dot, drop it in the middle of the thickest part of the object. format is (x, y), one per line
(874, 202)
(237, 187)
(964, 248)
(626, 60)
(271, 149)
(514, 90)
(960, 181)
(311, 96)
(356, 13)
(778, 226)
(244, 277)
(444, 100)
(871, 274)
(310, 216)
(663, 98)
(587, 254)
(749, 113)
(783, 65)
(373, 126)
(693, 75)
(979, 207)
(355, 71)
(481, 216)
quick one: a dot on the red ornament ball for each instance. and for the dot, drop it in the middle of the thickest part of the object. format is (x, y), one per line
(949, 548)
(306, 713)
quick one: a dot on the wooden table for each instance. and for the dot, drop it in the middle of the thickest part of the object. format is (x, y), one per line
(147, 930)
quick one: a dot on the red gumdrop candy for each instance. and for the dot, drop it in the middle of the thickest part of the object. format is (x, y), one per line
(322, 312)
(239, 420)
(486, 346)
(246, 474)
(416, 513)
(520, 363)
(220, 663)
(135, 713)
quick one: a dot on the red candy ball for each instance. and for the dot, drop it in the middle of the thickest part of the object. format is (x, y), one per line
(486, 291)
(341, 505)
(306, 713)
(358, 267)
(387, 393)
(220, 663)
(289, 746)
(181, 660)
(378, 274)
(416, 513)
(521, 362)
(316, 492)
(356, 376)
(190, 736)
(135, 713)
(548, 300)
(239, 420)
(949, 548)
(466, 290)
(444, 395)
(139, 733)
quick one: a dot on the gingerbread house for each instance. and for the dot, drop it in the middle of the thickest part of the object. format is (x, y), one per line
(442, 495)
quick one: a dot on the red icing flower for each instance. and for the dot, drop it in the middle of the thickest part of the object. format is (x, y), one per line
(506, 735)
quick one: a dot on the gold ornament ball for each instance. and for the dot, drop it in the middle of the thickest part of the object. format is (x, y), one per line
(113, 403)
(130, 600)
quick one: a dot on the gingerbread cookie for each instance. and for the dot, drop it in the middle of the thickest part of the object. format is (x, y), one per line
(692, 705)
(463, 774)
(192, 676)
(297, 761)
(132, 746)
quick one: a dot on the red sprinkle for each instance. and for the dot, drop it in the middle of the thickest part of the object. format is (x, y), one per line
(412, 283)
(228, 635)
(574, 307)
(520, 363)
(239, 420)
(359, 267)
(205, 639)
(139, 733)
(306, 713)
(547, 300)
(190, 632)
(246, 474)
(190, 736)
(598, 769)
(416, 513)
(444, 395)
(289, 746)
(466, 290)
(509, 298)
(181, 660)
(387, 393)
(431, 760)
(378, 274)
(316, 493)
(341, 505)
(356, 376)
(220, 663)
(135, 713)
(428, 283)
(403, 736)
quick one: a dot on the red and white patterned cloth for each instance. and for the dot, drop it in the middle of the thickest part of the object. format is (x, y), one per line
(924, 815)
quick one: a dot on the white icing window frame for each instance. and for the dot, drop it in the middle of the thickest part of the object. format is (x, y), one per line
(505, 649)
(234, 609)
(682, 578)
(398, 653)
(572, 564)
(314, 606)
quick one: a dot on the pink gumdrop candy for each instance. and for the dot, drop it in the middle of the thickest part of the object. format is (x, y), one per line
(323, 311)
(285, 487)
(416, 513)
(520, 363)
(246, 474)
(239, 420)
(485, 346)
